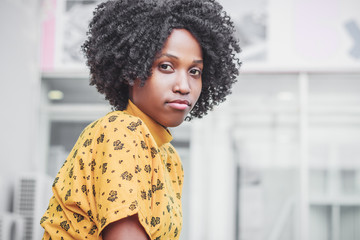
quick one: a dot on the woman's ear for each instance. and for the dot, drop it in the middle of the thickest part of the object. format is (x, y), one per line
(132, 84)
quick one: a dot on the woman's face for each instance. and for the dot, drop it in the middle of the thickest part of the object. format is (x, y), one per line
(175, 84)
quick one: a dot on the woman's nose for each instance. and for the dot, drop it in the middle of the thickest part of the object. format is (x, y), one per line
(182, 85)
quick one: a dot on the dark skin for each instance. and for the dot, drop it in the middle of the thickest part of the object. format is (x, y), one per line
(175, 84)
(127, 228)
(174, 77)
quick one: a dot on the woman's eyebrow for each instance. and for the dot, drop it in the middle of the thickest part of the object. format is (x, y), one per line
(168, 55)
(173, 56)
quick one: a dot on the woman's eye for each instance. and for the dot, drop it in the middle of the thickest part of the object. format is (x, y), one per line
(165, 67)
(195, 72)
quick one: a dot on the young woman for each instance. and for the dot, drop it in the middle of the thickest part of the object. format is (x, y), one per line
(157, 62)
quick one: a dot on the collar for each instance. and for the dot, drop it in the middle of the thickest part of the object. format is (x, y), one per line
(161, 134)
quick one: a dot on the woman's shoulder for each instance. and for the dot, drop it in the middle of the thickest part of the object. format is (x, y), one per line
(114, 123)
(116, 119)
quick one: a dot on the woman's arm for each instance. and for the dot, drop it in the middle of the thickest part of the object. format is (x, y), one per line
(125, 229)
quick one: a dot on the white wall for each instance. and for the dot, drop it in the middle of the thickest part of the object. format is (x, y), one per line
(19, 91)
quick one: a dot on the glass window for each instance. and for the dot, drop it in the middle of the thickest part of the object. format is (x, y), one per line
(267, 151)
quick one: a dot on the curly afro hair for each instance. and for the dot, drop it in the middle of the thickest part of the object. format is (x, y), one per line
(125, 36)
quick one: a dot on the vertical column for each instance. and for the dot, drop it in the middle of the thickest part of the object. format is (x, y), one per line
(44, 129)
(212, 176)
(19, 74)
(334, 191)
(222, 181)
(304, 164)
(198, 176)
(335, 222)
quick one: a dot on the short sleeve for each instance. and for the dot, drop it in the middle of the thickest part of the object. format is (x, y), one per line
(121, 182)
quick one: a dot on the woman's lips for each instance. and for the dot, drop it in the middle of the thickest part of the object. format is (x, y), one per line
(179, 104)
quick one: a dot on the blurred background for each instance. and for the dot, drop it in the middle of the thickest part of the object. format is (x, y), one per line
(279, 160)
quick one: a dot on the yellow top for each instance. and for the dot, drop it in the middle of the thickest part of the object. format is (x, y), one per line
(122, 164)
